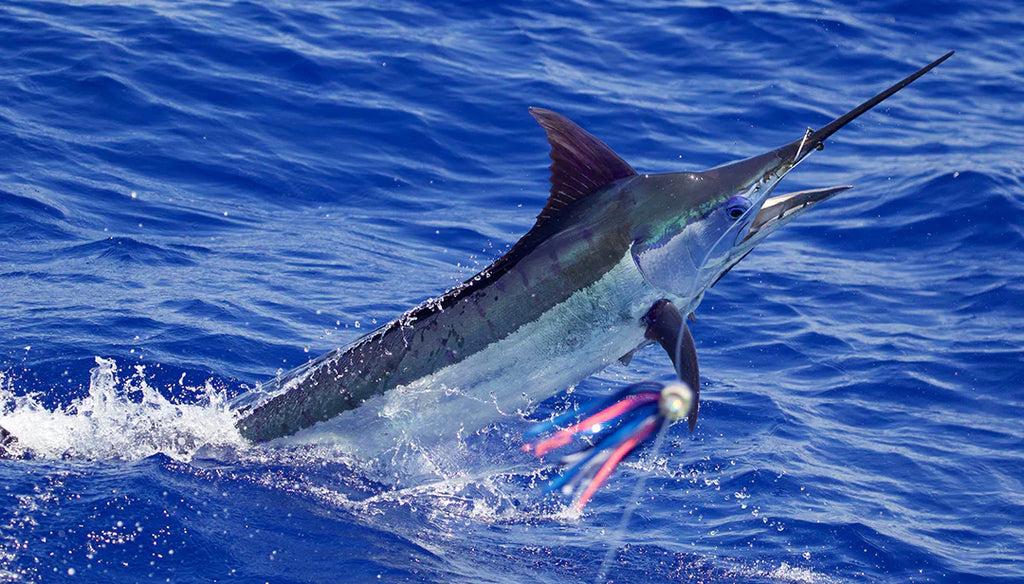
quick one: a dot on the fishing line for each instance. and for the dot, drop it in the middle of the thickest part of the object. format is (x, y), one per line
(634, 498)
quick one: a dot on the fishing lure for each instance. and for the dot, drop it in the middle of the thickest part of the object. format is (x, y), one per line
(621, 423)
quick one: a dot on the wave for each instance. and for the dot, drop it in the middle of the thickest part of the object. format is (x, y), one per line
(120, 418)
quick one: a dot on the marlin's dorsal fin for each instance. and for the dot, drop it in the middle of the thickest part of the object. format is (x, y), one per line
(580, 163)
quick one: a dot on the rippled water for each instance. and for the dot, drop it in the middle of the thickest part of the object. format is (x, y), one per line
(194, 196)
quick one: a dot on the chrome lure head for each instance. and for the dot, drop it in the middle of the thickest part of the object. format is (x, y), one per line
(697, 225)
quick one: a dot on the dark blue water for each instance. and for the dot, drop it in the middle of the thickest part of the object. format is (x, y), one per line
(196, 195)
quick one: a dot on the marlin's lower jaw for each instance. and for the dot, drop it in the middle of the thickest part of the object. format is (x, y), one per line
(779, 210)
(775, 212)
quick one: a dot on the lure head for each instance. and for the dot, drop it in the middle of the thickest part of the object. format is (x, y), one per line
(675, 401)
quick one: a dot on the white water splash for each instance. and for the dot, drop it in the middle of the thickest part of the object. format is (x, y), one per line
(120, 419)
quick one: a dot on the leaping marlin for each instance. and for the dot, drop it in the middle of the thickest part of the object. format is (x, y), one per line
(614, 261)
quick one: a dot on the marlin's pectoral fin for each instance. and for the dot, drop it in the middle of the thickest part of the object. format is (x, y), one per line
(665, 324)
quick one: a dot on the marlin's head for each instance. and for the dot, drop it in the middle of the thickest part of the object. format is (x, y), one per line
(690, 228)
(697, 225)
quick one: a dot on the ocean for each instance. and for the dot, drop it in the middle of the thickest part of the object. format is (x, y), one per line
(198, 195)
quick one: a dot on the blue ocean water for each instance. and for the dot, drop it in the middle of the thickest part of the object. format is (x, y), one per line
(197, 195)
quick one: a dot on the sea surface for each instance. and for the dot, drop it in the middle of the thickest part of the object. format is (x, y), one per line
(196, 195)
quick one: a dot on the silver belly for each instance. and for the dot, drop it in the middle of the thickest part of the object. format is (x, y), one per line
(568, 343)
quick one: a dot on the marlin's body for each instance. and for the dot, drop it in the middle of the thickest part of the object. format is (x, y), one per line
(549, 313)
(614, 260)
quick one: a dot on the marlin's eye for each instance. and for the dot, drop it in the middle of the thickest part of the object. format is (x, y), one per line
(736, 207)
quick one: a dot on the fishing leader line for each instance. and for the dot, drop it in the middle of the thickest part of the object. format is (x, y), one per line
(627, 514)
